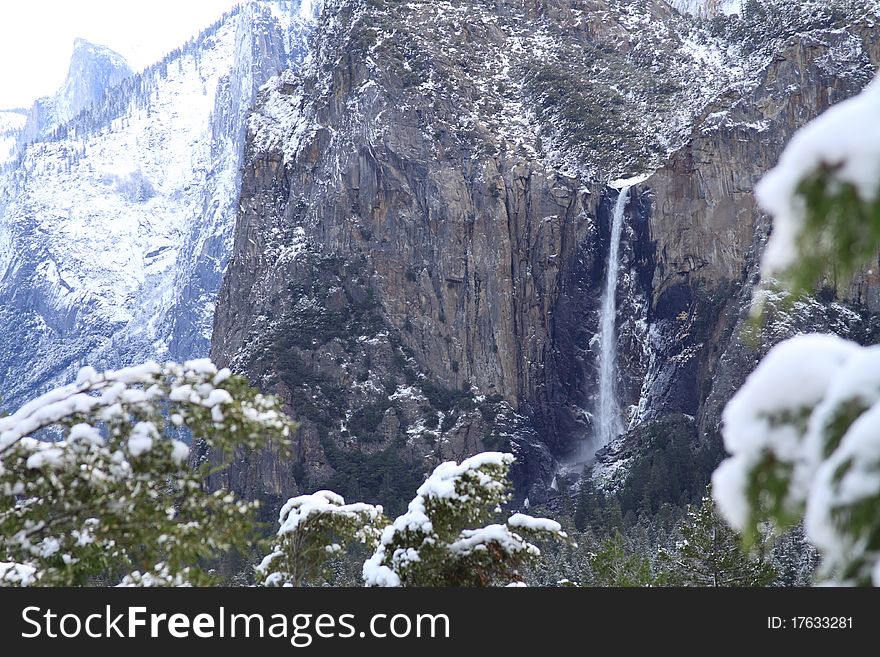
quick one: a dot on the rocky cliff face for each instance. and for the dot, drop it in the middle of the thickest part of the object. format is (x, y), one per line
(707, 236)
(704, 222)
(11, 124)
(424, 225)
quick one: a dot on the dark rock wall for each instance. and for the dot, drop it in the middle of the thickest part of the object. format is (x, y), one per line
(417, 292)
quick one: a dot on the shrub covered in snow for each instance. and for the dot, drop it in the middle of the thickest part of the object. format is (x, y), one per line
(314, 529)
(97, 484)
(442, 541)
(804, 438)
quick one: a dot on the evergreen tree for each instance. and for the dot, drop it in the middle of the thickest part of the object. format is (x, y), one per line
(613, 566)
(442, 540)
(795, 558)
(710, 554)
(594, 511)
(113, 496)
(566, 503)
(584, 508)
(314, 530)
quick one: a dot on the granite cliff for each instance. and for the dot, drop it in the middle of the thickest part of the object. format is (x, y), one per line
(424, 226)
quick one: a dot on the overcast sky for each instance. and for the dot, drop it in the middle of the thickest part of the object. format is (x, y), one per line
(36, 36)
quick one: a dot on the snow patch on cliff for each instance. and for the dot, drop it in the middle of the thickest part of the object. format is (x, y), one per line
(708, 8)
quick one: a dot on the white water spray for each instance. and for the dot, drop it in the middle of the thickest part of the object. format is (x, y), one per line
(609, 423)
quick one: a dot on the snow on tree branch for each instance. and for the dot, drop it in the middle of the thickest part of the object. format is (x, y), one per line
(823, 194)
(804, 430)
(312, 530)
(97, 481)
(436, 543)
(804, 438)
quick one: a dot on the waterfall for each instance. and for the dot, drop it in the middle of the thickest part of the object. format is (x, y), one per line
(609, 423)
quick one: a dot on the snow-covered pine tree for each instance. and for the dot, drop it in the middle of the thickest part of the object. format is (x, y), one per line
(442, 540)
(95, 482)
(710, 554)
(314, 529)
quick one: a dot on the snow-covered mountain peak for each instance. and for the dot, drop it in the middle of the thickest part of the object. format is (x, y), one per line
(115, 224)
(91, 58)
(94, 69)
(82, 46)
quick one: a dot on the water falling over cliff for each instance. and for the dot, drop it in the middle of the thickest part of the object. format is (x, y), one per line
(609, 423)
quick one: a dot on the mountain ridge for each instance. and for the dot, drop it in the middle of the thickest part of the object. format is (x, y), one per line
(94, 70)
(145, 176)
